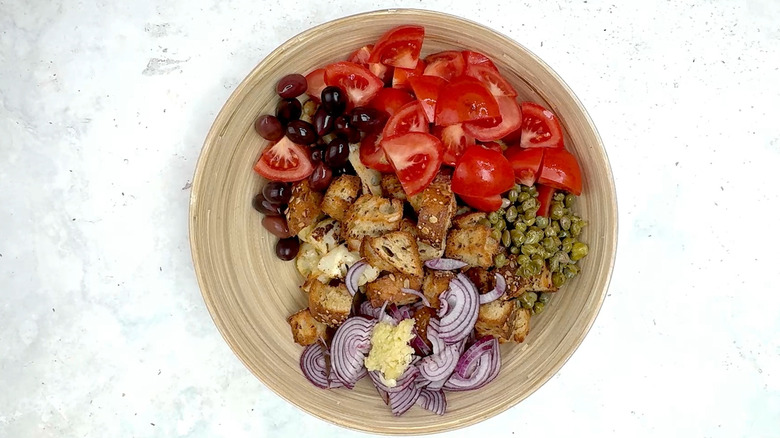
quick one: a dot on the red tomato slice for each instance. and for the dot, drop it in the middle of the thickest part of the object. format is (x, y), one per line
(315, 83)
(284, 161)
(390, 100)
(455, 141)
(372, 155)
(540, 128)
(561, 171)
(496, 83)
(416, 158)
(464, 100)
(482, 172)
(446, 65)
(357, 81)
(476, 58)
(426, 88)
(399, 47)
(361, 55)
(401, 75)
(525, 163)
(409, 118)
(494, 146)
(483, 203)
(545, 199)
(510, 121)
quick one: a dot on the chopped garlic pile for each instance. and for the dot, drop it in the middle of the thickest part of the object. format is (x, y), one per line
(390, 351)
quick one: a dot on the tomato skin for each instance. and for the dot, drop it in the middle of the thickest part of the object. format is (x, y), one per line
(427, 88)
(446, 65)
(390, 100)
(476, 58)
(401, 76)
(493, 146)
(416, 159)
(399, 47)
(315, 83)
(511, 119)
(545, 199)
(464, 100)
(284, 161)
(483, 203)
(455, 141)
(561, 171)
(408, 118)
(357, 81)
(482, 172)
(372, 155)
(496, 83)
(525, 163)
(540, 128)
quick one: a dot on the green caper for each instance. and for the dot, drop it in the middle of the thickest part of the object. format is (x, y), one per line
(538, 308)
(571, 271)
(550, 231)
(556, 211)
(559, 196)
(524, 196)
(538, 265)
(515, 250)
(544, 298)
(529, 217)
(526, 300)
(518, 238)
(554, 264)
(534, 235)
(512, 195)
(555, 226)
(511, 214)
(579, 250)
(532, 190)
(569, 201)
(506, 239)
(566, 244)
(542, 222)
(484, 222)
(523, 259)
(558, 279)
(500, 225)
(565, 222)
(528, 271)
(529, 249)
(563, 234)
(576, 229)
(501, 212)
(521, 226)
(496, 234)
(523, 188)
(499, 260)
(493, 217)
(529, 204)
(548, 243)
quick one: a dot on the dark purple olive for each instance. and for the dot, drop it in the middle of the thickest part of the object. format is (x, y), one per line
(320, 179)
(367, 119)
(316, 154)
(277, 192)
(301, 132)
(334, 100)
(323, 122)
(337, 152)
(341, 123)
(292, 85)
(266, 207)
(346, 169)
(287, 249)
(269, 127)
(277, 225)
(288, 110)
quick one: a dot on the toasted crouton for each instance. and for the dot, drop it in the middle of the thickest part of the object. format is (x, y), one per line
(341, 193)
(305, 329)
(329, 305)
(467, 220)
(436, 211)
(473, 245)
(372, 216)
(393, 252)
(495, 320)
(434, 284)
(483, 279)
(516, 285)
(427, 252)
(520, 320)
(304, 207)
(391, 188)
(422, 317)
(388, 288)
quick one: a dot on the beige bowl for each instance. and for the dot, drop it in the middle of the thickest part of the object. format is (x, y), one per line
(249, 292)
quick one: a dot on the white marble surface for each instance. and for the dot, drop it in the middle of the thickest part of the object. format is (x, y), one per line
(103, 109)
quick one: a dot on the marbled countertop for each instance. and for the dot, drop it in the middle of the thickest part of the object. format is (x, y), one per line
(103, 110)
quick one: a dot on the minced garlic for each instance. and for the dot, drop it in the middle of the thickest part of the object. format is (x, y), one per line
(390, 351)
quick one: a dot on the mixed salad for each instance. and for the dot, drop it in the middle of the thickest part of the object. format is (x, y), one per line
(429, 210)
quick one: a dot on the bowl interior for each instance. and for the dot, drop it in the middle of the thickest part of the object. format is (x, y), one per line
(250, 293)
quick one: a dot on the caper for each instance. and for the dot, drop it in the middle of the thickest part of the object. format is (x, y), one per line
(500, 225)
(542, 222)
(576, 229)
(515, 250)
(484, 222)
(533, 235)
(550, 231)
(506, 239)
(523, 188)
(529, 204)
(548, 243)
(569, 201)
(521, 226)
(563, 234)
(566, 244)
(555, 226)
(556, 211)
(493, 217)
(499, 260)
(512, 195)
(511, 214)
(529, 218)
(501, 212)
(544, 298)
(532, 190)
(496, 234)
(530, 249)
(527, 300)
(538, 265)
(554, 264)
(538, 308)
(524, 196)
(565, 222)
(571, 271)
(579, 250)
(559, 196)
(558, 279)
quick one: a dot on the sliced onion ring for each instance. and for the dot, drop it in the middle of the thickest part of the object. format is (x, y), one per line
(443, 264)
(402, 401)
(481, 368)
(418, 294)
(434, 401)
(406, 379)
(350, 345)
(314, 366)
(353, 275)
(441, 365)
(461, 312)
(497, 291)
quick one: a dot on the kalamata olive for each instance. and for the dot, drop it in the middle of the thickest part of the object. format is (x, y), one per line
(292, 85)
(316, 154)
(341, 123)
(287, 249)
(288, 110)
(266, 207)
(277, 192)
(269, 127)
(301, 132)
(346, 169)
(337, 152)
(320, 179)
(334, 100)
(367, 119)
(277, 225)
(323, 122)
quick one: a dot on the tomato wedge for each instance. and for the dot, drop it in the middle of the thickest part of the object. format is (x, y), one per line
(284, 161)
(409, 118)
(510, 121)
(476, 58)
(496, 83)
(315, 83)
(401, 75)
(525, 163)
(446, 65)
(482, 172)
(561, 171)
(390, 100)
(372, 155)
(455, 141)
(399, 47)
(426, 88)
(361, 55)
(464, 100)
(540, 128)
(494, 146)
(545, 199)
(357, 81)
(483, 203)
(415, 157)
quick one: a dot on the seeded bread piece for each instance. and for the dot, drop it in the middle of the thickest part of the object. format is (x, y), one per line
(393, 252)
(371, 216)
(305, 328)
(516, 285)
(520, 321)
(495, 320)
(391, 188)
(437, 208)
(434, 284)
(473, 245)
(304, 207)
(388, 288)
(427, 252)
(469, 219)
(341, 193)
(328, 304)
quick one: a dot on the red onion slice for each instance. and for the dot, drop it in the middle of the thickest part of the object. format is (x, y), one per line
(353, 275)
(461, 312)
(420, 347)
(402, 401)
(497, 291)
(442, 264)
(313, 365)
(383, 395)
(433, 336)
(440, 366)
(418, 294)
(434, 401)
(406, 379)
(481, 369)
(467, 361)
(350, 345)
(399, 313)
(366, 309)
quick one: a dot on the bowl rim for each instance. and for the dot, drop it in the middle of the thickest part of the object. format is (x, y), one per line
(306, 34)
